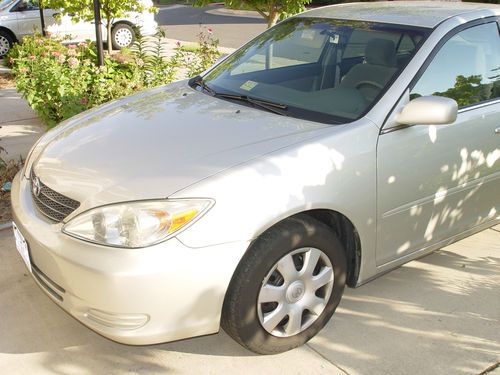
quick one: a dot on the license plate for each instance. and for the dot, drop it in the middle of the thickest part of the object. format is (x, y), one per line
(22, 246)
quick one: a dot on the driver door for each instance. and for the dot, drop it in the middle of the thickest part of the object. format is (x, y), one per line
(435, 182)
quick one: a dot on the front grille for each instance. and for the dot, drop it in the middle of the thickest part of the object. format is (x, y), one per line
(50, 203)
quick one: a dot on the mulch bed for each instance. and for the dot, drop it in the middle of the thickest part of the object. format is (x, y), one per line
(7, 81)
(7, 173)
(7, 169)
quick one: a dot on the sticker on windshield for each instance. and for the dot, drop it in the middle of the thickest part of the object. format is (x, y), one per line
(248, 85)
(308, 34)
(334, 39)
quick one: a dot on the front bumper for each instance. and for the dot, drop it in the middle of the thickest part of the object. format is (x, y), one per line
(134, 296)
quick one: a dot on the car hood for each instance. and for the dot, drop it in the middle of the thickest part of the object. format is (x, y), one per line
(155, 143)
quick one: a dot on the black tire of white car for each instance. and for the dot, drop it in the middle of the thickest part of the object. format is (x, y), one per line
(240, 315)
(118, 29)
(5, 38)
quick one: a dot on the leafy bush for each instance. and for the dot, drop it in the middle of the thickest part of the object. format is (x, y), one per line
(61, 81)
(200, 59)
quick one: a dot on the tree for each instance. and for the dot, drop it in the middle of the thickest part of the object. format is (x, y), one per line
(466, 91)
(271, 10)
(82, 10)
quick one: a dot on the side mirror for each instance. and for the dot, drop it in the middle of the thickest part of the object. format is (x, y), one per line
(428, 110)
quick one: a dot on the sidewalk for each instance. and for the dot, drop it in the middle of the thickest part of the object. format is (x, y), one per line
(19, 126)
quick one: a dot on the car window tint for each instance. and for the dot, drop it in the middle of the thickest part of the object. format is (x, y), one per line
(466, 68)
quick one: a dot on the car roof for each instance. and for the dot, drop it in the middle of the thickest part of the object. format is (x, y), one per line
(427, 14)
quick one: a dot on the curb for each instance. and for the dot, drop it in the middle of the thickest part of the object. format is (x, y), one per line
(173, 42)
(170, 6)
(235, 13)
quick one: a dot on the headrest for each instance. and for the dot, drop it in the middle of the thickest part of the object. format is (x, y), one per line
(381, 52)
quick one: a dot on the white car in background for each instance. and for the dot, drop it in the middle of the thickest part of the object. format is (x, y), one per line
(19, 18)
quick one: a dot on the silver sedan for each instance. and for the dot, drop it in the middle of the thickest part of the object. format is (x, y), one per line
(332, 148)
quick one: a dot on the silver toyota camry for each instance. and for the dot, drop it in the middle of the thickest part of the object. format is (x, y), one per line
(332, 148)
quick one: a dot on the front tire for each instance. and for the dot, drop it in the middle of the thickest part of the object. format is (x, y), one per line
(6, 42)
(122, 36)
(286, 287)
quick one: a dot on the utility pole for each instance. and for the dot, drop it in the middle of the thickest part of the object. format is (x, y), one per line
(42, 17)
(98, 32)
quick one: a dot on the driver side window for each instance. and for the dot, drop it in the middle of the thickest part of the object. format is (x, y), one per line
(26, 5)
(466, 68)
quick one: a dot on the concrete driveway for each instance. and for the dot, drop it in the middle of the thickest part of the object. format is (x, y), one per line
(437, 315)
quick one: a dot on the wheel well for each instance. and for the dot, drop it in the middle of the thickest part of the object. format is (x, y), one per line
(9, 32)
(348, 236)
(121, 22)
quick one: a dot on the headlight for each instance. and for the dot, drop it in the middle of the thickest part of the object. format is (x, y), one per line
(136, 224)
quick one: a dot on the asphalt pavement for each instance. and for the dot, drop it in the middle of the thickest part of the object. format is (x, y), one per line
(232, 28)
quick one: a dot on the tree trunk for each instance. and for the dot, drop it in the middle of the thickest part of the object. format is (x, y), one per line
(273, 18)
(109, 42)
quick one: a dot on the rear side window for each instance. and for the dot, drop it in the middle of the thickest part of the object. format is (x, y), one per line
(359, 39)
(466, 68)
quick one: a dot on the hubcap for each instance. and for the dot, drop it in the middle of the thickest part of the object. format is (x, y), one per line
(295, 292)
(4, 46)
(123, 37)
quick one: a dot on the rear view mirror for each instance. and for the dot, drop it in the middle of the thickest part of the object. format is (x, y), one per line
(428, 110)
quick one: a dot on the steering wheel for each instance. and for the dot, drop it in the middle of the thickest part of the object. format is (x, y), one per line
(369, 83)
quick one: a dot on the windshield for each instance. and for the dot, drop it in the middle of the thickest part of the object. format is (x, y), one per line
(319, 69)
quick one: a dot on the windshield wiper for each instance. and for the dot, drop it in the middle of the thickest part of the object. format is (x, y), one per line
(198, 81)
(277, 108)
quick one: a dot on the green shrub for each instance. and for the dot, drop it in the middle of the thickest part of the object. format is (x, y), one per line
(61, 81)
(197, 60)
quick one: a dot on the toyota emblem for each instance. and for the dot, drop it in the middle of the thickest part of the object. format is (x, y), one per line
(36, 186)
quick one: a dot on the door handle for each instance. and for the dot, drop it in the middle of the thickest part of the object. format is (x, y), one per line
(497, 130)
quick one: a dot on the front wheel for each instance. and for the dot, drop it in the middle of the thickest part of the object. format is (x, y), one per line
(286, 287)
(6, 42)
(122, 36)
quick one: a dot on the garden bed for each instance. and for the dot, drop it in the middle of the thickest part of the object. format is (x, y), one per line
(7, 173)
(7, 81)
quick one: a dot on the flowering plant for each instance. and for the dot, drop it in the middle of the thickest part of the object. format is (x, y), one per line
(60, 81)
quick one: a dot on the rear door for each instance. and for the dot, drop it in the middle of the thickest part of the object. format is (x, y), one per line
(435, 182)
